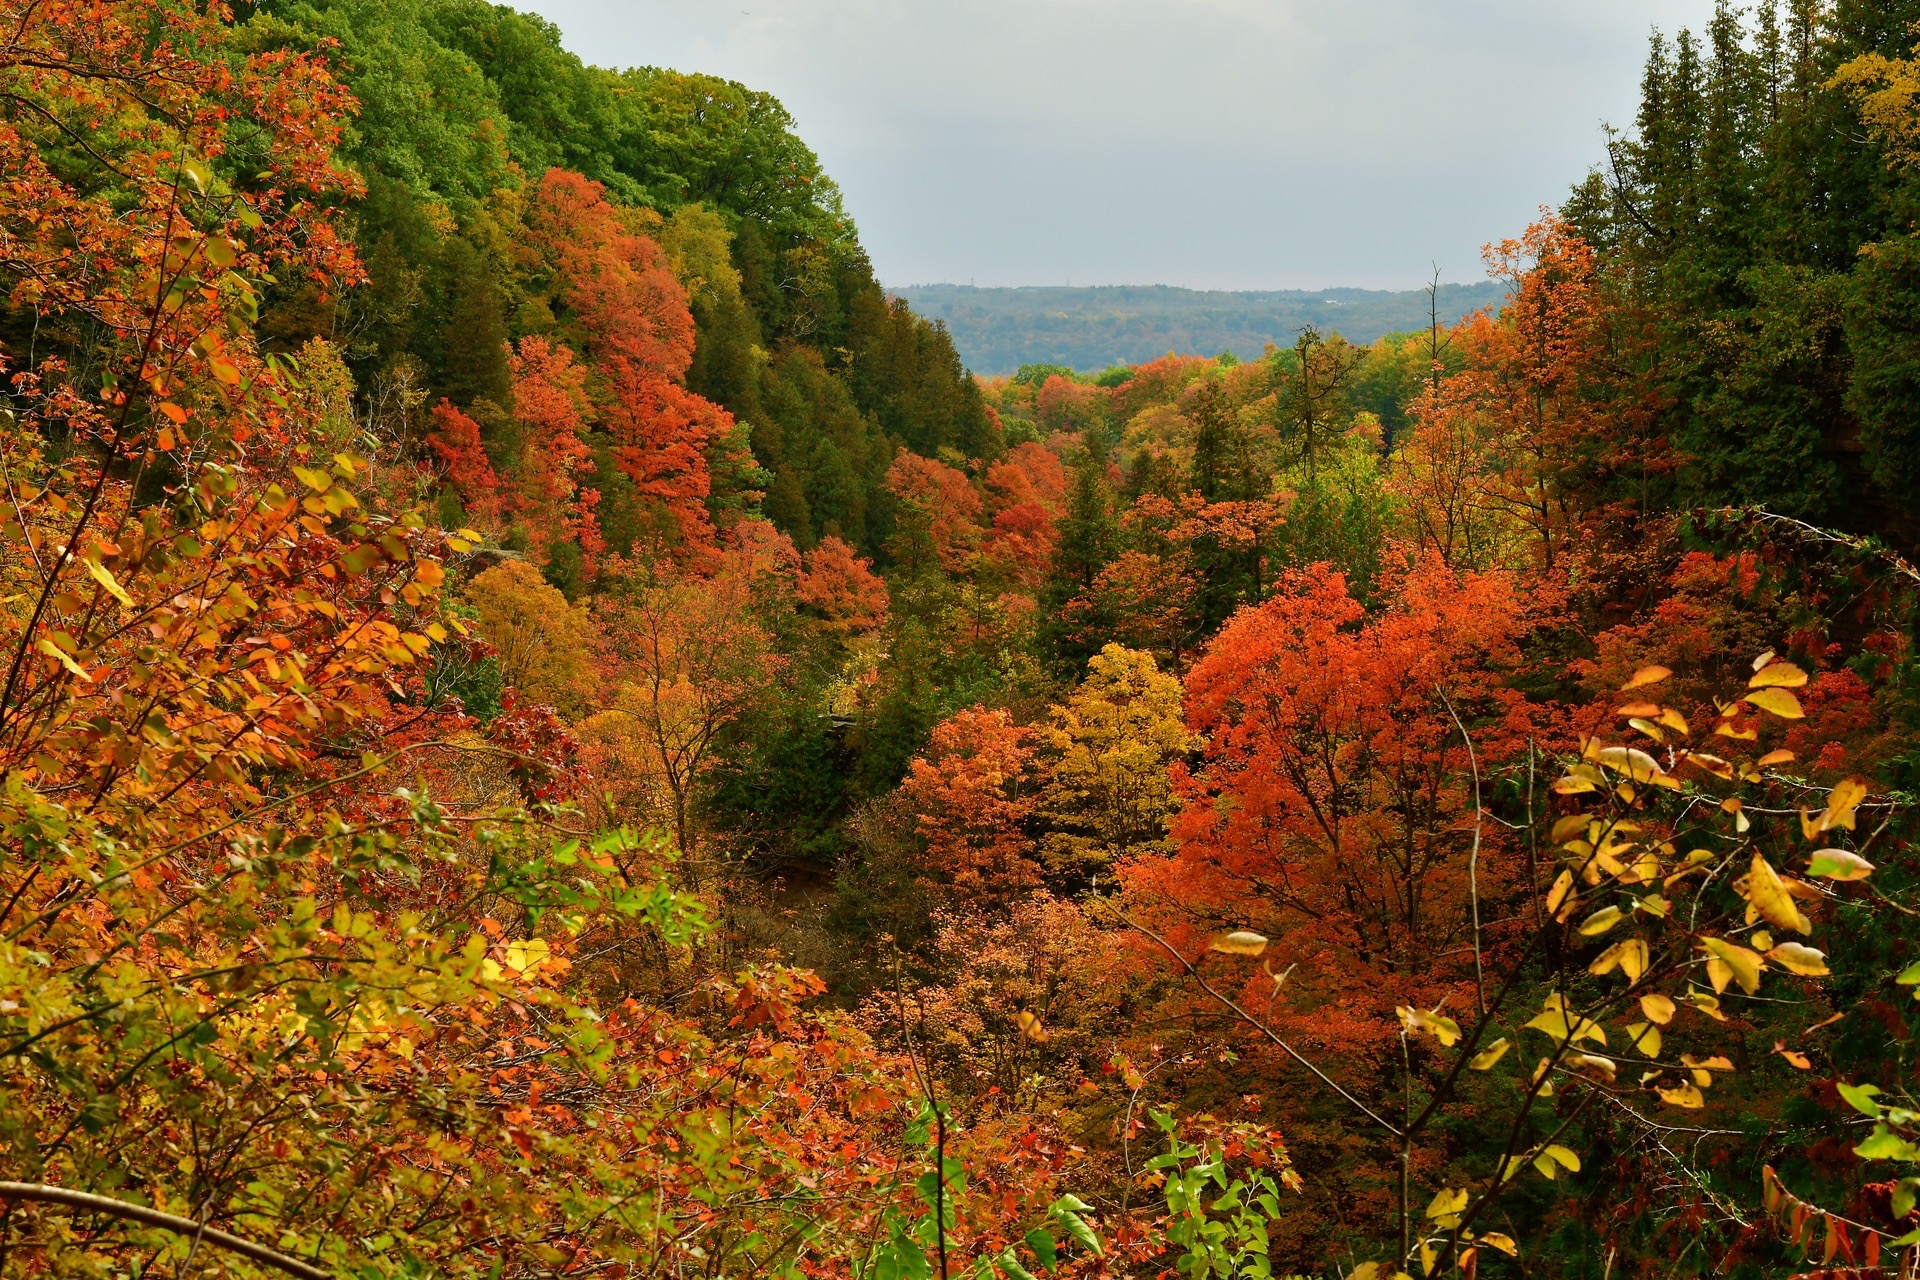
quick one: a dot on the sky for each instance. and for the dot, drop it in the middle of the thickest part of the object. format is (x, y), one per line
(1214, 144)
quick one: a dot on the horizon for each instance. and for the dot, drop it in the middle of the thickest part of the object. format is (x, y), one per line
(1331, 288)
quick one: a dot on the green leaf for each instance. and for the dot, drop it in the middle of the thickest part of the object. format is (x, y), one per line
(1910, 976)
(1043, 1247)
(1074, 1225)
(314, 478)
(1010, 1264)
(1861, 1097)
(1904, 1192)
(1885, 1144)
(1839, 864)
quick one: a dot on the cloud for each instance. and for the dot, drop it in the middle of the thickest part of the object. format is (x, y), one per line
(1212, 143)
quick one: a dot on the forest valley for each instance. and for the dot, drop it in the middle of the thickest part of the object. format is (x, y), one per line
(551, 729)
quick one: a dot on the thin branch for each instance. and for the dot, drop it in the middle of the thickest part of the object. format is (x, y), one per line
(1473, 859)
(45, 1194)
(1261, 1027)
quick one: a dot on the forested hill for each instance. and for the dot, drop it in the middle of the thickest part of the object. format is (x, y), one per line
(999, 330)
(516, 199)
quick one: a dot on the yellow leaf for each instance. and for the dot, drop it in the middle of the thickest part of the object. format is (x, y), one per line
(1719, 973)
(1592, 1064)
(1568, 827)
(1448, 1202)
(1629, 956)
(1561, 1155)
(1799, 959)
(54, 651)
(1706, 1004)
(1744, 964)
(1562, 886)
(1553, 1019)
(1644, 677)
(526, 956)
(1633, 959)
(1645, 1038)
(1769, 898)
(1599, 922)
(1774, 757)
(1674, 720)
(1841, 802)
(1802, 890)
(107, 580)
(1030, 1026)
(1712, 764)
(1240, 942)
(1649, 728)
(1504, 1243)
(1445, 1030)
(1657, 1007)
(1632, 761)
(1684, 1095)
(1776, 702)
(1778, 675)
(1484, 1060)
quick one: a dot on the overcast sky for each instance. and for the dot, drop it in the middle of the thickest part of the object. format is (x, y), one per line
(1237, 144)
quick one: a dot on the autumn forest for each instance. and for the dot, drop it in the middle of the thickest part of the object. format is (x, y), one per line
(551, 728)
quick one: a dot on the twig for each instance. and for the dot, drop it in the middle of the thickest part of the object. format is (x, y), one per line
(1473, 859)
(1261, 1027)
(166, 1221)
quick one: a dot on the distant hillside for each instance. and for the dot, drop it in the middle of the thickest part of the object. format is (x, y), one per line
(998, 330)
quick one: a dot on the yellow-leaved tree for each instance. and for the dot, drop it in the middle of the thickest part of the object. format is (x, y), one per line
(1109, 795)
